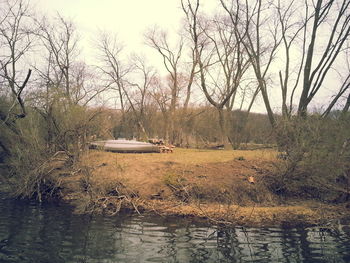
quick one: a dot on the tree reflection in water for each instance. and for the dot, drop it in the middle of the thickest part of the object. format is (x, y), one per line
(52, 233)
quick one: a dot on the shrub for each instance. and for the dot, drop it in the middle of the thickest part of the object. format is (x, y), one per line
(317, 158)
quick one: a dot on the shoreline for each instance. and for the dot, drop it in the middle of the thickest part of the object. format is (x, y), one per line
(202, 184)
(302, 214)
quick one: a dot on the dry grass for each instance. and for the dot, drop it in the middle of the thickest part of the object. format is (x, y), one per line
(305, 213)
(145, 173)
(195, 156)
(205, 183)
(184, 156)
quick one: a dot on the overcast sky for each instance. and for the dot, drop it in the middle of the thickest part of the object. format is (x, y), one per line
(129, 19)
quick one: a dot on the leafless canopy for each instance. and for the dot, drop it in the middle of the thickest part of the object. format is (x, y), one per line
(15, 42)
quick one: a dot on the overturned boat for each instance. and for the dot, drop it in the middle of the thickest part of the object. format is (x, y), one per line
(124, 146)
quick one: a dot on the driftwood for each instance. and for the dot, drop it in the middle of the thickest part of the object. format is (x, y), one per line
(163, 148)
(156, 141)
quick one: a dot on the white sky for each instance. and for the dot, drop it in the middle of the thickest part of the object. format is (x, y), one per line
(128, 19)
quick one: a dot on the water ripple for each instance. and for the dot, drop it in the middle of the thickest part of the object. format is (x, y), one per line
(34, 233)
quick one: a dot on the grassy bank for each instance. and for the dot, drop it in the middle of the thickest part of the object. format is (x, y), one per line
(228, 187)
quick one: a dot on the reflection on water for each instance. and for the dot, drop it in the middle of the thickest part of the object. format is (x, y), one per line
(32, 233)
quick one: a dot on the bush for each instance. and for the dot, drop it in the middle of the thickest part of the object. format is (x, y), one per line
(28, 153)
(317, 161)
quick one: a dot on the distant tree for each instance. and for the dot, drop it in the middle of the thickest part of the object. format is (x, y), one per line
(162, 98)
(60, 40)
(173, 61)
(139, 97)
(119, 77)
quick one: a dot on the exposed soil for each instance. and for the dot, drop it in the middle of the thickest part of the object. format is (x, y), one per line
(223, 186)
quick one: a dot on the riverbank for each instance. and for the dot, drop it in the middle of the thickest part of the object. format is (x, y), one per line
(226, 187)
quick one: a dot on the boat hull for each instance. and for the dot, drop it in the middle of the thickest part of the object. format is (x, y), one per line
(124, 146)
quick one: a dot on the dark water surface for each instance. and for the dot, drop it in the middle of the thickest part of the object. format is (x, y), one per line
(51, 233)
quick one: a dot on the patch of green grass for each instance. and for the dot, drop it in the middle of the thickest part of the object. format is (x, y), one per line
(173, 179)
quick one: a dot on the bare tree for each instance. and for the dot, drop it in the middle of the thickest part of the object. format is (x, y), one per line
(61, 43)
(329, 16)
(15, 43)
(119, 77)
(333, 16)
(65, 86)
(173, 61)
(221, 58)
(344, 75)
(110, 52)
(162, 99)
(347, 105)
(291, 27)
(142, 81)
(260, 38)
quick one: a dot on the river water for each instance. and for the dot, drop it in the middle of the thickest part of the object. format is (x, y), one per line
(52, 233)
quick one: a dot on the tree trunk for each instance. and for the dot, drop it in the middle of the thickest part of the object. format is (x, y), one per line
(347, 105)
(304, 98)
(223, 129)
(269, 111)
